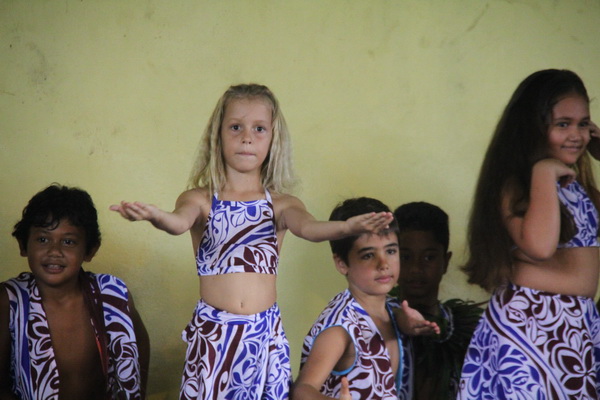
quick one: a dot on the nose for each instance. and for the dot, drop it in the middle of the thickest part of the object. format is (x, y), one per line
(579, 132)
(54, 249)
(246, 136)
(382, 263)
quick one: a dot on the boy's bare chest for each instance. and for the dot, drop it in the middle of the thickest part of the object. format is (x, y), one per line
(75, 350)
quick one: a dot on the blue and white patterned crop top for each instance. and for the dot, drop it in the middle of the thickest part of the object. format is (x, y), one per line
(584, 215)
(239, 236)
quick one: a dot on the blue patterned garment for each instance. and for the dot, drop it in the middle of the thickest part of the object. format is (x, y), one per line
(534, 345)
(239, 236)
(584, 215)
(370, 377)
(33, 364)
(232, 356)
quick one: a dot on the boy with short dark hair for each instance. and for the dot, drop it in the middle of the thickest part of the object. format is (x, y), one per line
(355, 349)
(423, 239)
(66, 333)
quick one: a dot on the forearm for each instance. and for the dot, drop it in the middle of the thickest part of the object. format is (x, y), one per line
(171, 223)
(319, 231)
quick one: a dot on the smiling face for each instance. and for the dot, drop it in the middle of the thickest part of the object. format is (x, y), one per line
(55, 255)
(569, 131)
(246, 134)
(424, 262)
(373, 265)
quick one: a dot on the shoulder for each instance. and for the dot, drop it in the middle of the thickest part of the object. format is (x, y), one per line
(285, 200)
(339, 312)
(196, 195)
(110, 284)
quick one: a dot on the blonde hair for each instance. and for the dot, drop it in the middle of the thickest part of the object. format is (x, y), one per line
(209, 167)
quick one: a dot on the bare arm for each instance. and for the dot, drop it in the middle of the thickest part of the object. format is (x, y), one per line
(5, 348)
(188, 210)
(537, 233)
(143, 343)
(301, 223)
(328, 349)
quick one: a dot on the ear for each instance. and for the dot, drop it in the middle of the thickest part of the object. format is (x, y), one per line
(22, 249)
(340, 265)
(447, 261)
(88, 257)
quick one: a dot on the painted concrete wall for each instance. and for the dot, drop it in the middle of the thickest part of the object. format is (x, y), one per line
(389, 99)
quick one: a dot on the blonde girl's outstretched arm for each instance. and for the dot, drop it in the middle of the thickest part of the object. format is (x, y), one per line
(188, 210)
(537, 232)
(301, 223)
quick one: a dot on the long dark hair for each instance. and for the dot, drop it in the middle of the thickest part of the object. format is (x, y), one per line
(519, 141)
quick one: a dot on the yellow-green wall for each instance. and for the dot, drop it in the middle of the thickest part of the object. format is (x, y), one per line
(389, 99)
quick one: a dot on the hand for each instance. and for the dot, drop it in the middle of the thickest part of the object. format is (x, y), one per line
(345, 391)
(593, 146)
(412, 323)
(369, 223)
(559, 171)
(136, 211)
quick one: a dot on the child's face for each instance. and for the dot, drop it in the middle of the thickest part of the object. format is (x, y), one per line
(246, 134)
(423, 262)
(569, 131)
(55, 256)
(373, 264)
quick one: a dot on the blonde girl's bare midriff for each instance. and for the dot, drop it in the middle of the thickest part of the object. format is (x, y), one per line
(242, 293)
(570, 271)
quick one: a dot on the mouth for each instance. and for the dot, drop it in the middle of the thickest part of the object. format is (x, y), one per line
(573, 149)
(385, 279)
(415, 284)
(53, 268)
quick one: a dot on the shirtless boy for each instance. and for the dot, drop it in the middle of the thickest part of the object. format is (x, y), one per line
(66, 333)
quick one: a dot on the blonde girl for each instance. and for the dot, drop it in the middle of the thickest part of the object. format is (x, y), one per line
(238, 213)
(533, 242)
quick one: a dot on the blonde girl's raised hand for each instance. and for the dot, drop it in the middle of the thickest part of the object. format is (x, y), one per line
(369, 223)
(136, 211)
(301, 223)
(188, 210)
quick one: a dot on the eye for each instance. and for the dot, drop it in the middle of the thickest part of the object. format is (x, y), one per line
(41, 239)
(392, 250)
(366, 256)
(404, 257)
(236, 127)
(69, 242)
(584, 124)
(562, 124)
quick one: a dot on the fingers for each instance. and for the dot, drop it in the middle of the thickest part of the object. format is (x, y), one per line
(135, 211)
(345, 390)
(594, 130)
(379, 221)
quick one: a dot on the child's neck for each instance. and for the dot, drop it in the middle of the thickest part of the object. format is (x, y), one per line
(58, 296)
(373, 305)
(241, 188)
